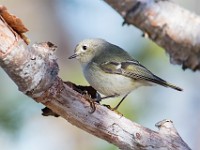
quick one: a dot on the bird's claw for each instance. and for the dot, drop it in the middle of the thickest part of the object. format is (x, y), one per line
(90, 100)
(113, 109)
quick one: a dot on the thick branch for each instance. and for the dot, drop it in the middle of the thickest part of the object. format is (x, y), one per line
(34, 70)
(170, 26)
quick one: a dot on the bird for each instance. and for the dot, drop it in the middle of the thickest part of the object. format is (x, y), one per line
(112, 71)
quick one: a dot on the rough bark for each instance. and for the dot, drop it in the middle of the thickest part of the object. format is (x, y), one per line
(34, 70)
(174, 28)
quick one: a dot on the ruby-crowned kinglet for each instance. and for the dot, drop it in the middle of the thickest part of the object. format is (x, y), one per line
(111, 70)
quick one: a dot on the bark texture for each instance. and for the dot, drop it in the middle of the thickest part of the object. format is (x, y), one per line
(174, 28)
(34, 70)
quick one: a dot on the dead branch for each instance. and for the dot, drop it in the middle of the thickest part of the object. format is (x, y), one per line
(170, 26)
(34, 70)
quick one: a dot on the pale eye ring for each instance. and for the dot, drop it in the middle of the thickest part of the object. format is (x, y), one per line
(84, 47)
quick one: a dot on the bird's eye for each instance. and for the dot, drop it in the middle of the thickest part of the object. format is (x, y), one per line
(84, 47)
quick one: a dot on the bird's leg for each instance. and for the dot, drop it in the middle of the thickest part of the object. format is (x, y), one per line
(98, 99)
(101, 98)
(116, 107)
(110, 96)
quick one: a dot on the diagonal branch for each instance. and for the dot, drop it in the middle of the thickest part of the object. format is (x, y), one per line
(34, 70)
(170, 26)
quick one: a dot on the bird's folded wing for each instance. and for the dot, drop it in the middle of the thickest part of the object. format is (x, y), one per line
(136, 71)
(131, 69)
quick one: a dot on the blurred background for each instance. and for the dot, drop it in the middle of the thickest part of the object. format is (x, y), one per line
(67, 22)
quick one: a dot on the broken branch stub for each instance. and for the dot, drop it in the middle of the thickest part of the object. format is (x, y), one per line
(34, 70)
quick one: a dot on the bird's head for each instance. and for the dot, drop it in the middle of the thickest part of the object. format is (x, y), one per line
(87, 49)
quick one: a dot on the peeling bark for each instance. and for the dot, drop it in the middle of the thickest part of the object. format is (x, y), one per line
(34, 69)
(174, 28)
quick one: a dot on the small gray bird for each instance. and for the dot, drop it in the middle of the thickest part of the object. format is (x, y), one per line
(111, 70)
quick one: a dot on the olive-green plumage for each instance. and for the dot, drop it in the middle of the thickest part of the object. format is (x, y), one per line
(111, 70)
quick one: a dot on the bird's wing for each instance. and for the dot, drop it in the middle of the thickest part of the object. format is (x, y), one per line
(134, 70)
(131, 69)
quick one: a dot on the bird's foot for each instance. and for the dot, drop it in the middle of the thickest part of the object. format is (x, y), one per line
(108, 106)
(113, 109)
(91, 101)
(88, 92)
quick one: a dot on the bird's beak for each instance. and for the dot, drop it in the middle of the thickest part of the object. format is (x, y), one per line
(73, 56)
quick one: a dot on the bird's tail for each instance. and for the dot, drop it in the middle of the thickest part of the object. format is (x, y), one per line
(166, 84)
(173, 86)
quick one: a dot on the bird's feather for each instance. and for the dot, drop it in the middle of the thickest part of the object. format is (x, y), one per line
(134, 70)
(129, 69)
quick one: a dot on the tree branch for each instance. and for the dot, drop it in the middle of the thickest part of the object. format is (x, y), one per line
(170, 26)
(34, 70)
